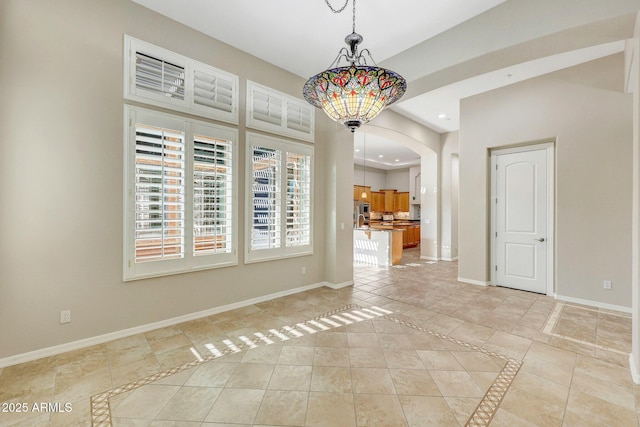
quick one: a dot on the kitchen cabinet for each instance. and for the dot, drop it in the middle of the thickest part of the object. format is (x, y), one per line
(410, 235)
(394, 201)
(401, 202)
(414, 235)
(377, 201)
(357, 193)
(389, 200)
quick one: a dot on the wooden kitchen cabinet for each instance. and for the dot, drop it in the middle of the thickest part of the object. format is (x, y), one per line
(401, 202)
(357, 193)
(377, 201)
(389, 200)
(411, 236)
(414, 235)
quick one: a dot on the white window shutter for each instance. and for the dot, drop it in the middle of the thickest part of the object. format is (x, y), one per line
(159, 193)
(298, 199)
(299, 117)
(279, 113)
(279, 198)
(158, 76)
(266, 191)
(215, 93)
(267, 107)
(181, 195)
(162, 78)
(213, 186)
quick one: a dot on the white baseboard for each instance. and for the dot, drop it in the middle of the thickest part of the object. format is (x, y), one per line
(635, 375)
(338, 285)
(101, 339)
(449, 259)
(594, 303)
(473, 282)
(429, 258)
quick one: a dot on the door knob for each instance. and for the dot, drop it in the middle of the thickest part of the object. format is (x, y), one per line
(540, 239)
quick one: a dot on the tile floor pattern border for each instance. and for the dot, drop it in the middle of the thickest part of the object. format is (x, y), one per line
(481, 417)
(550, 326)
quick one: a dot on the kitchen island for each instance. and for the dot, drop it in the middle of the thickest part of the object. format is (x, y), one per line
(381, 248)
(410, 229)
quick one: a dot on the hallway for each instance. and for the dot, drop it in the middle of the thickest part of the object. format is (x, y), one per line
(405, 346)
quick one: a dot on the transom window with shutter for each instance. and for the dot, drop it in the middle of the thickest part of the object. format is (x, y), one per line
(279, 198)
(276, 112)
(180, 195)
(162, 78)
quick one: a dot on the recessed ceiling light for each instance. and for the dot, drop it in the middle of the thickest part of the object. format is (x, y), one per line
(357, 150)
(442, 116)
(397, 160)
(381, 156)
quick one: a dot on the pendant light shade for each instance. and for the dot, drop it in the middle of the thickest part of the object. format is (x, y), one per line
(356, 93)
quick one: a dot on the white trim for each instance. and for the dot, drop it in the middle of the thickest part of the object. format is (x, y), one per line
(338, 285)
(449, 259)
(549, 147)
(473, 282)
(635, 374)
(101, 339)
(429, 258)
(594, 303)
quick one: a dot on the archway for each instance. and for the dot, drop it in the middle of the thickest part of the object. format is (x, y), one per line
(429, 150)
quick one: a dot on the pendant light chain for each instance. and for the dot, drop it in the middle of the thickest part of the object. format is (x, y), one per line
(364, 159)
(354, 16)
(337, 10)
(343, 8)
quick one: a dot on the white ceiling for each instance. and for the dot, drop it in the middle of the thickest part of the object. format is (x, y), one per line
(304, 37)
(382, 153)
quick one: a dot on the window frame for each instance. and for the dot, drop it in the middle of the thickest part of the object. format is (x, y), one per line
(133, 270)
(283, 250)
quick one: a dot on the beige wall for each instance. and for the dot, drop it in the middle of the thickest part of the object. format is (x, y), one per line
(378, 179)
(586, 112)
(449, 179)
(61, 169)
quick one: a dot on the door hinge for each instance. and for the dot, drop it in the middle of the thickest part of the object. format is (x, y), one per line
(496, 268)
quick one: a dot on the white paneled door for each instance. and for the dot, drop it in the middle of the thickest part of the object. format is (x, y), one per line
(521, 239)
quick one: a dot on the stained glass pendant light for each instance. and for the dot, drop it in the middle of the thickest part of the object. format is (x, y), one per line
(356, 93)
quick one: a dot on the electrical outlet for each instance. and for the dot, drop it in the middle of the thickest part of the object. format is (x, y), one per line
(304, 270)
(65, 316)
(607, 284)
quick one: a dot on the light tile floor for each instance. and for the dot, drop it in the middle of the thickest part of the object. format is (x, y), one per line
(432, 351)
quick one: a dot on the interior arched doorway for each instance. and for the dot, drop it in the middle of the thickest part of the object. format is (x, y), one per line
(428, 149)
